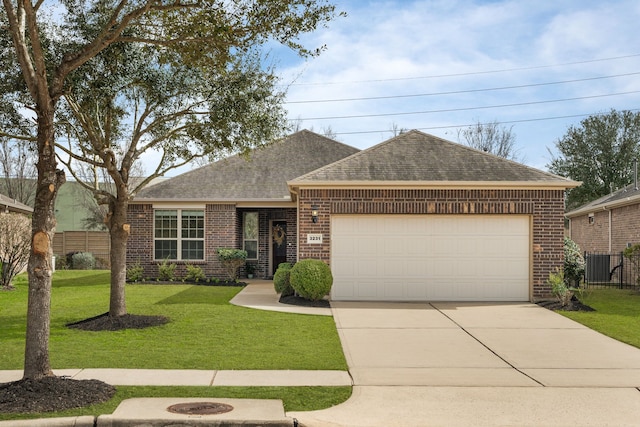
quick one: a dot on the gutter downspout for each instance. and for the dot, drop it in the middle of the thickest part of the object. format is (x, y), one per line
(604, 208)
(297, 198)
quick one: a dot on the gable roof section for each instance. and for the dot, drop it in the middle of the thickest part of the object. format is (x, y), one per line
(416, 158)
(8, 204)
(628, 195)
(260, 177)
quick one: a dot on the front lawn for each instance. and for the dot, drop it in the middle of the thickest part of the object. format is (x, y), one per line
(204, 332)
(617, 313)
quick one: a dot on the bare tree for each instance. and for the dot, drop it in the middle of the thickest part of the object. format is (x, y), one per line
(491, 138)
(397, 130)
(329, 133)
(17, 166)
(15, 242)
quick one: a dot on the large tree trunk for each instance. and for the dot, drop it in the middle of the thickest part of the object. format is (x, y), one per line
(36, 361)
(119, 234)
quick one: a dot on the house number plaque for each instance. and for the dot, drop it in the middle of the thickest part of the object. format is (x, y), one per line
(314, 239)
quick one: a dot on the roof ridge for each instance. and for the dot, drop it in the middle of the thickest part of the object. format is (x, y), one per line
(360, 152)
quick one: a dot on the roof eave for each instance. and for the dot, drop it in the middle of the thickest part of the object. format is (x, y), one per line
(528, 185)
(149, 200)
(604, 206)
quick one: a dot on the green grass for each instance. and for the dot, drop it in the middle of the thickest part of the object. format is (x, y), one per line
(293, 398)
(205, 332)
(617, 313)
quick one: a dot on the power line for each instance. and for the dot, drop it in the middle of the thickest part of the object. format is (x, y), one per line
(538, 119)
(471, 73)
(450, 110)
(456, 92)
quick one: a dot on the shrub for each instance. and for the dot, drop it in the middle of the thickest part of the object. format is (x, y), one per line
(632, 254)
(311, 279)
(231, 260)
(559, 287)
(83, 261)
(194, 273)
(15, 246)
(282, 279)
(62, 262)
(573, 263)
(135, 273)
(103, 263)
(167, 271)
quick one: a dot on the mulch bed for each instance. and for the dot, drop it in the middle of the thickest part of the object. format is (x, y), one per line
(104, 322)
(186, 282)
(573, 305)
(52, 394)
(296, 300)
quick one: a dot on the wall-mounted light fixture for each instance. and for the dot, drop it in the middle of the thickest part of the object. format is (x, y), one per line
(314, 213)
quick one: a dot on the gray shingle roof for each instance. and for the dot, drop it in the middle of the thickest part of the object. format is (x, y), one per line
(12, 205)
(624, 196)
(262, 176)
(418, 157)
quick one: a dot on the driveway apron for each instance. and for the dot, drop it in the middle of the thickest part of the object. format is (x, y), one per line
(479, 364)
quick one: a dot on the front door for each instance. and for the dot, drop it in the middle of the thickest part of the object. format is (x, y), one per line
(278, 244)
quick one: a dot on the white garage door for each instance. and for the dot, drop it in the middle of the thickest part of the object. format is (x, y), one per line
(430, 257)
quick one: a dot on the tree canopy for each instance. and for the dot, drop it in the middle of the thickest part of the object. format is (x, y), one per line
(50, 46)
(600, 153)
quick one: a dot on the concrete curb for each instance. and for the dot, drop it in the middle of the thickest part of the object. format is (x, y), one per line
(81, 421)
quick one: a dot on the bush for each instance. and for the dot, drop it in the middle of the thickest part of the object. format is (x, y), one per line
(167, 271)
(194, 273)
(282, 279)
(231, 260)
(135, 273)
(573, 263)
(62, 262)
(559, 287)
(311, 279)
(83, 261)
(631, 254)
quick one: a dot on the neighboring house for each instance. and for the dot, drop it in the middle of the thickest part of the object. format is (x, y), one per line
(12, 205)
(608, 224)
(413, 218)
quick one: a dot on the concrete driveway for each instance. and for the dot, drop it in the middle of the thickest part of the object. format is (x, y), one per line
(488, 364)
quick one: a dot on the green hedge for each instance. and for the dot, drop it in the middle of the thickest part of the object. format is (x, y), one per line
(282, 279)
(311, 279)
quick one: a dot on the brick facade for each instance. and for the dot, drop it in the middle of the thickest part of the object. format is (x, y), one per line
(546, 207)
(223, 224)
(265, 218)
(223, 229)
(621, 225)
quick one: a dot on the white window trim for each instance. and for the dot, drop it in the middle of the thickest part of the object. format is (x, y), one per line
(257, 239)
(179, 234)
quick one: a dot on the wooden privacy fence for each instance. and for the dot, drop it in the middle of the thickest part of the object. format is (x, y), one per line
(96, 242)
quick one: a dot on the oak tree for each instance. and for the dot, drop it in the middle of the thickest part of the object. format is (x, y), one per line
(43, 44)
(600, 152)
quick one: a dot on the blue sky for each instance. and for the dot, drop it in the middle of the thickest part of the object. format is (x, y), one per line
(542, 60)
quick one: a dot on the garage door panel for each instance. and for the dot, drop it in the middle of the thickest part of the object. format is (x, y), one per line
(431, 257)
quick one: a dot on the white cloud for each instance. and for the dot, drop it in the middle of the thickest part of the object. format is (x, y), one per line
(379, 41)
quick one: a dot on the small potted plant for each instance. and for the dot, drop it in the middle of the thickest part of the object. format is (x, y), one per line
(251, 269)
